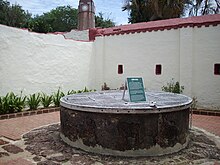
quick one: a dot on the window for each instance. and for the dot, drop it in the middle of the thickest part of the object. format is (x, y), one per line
(158, 69)
(217, 69)
(120, 69)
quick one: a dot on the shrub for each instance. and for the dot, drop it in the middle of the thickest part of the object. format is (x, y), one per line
(70, 92)
(33, 101)
(194, 103)
(173, 87)
(19, 103)
(105, 87)
(80, 91)
(46, 100)
(1, 106)
(12, 103)
(57, 96)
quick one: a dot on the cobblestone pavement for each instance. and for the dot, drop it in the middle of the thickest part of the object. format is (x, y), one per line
(13, 149)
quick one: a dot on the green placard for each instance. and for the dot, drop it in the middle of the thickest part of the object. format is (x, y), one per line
(136, 89)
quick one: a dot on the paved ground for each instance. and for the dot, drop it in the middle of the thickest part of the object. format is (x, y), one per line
(11, 131)
(208, 123)
(14, 128)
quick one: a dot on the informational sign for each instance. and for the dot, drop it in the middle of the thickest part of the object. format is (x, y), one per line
(136, 89)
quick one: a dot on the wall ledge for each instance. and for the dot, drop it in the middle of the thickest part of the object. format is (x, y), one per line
(29, 113)
(206, 112)
(161, 25)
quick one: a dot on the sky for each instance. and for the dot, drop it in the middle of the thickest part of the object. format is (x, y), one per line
(110, 8)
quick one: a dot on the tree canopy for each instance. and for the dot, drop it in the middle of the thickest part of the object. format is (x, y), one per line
(13, 15)
(150, 10)
(100, 21)
(62, 19)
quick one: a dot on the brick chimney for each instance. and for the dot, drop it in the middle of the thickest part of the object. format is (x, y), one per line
(86, 14)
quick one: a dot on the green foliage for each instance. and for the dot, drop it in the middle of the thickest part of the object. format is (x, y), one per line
(1, 105)
(143, 10)
(102, 22)
(33, 101)
(201, 7)
(85, 90)
(11, 103)
(46, 100)
(39, 24)
(57, 96)
(173, 87)
(13, 15)
(194, 103)
(62, 19)
(80, 91)
(70, 92)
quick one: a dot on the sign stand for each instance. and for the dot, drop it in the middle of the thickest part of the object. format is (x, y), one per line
(135, 88)
(125, 88)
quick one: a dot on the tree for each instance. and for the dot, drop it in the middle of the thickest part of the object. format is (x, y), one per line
(202, 7)
(13, 15)
(150, 10)
(100, 21)
(63, 18)
(39, 24)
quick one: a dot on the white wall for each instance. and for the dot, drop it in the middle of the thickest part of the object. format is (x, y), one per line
(206, 85)
(77, 35)
(186, 54)
(139, 53)
(34, 62)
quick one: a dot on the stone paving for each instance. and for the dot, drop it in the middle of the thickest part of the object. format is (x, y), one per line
(15, 127)
(14, 150)
(209, 123)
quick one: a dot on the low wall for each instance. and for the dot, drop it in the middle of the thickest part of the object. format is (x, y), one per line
(187, 55)
(32, 62)
(187, 50)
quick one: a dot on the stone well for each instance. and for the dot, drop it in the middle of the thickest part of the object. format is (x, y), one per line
(103, 123)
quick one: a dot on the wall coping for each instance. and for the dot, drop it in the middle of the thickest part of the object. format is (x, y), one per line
(160, 25)
(29, 113)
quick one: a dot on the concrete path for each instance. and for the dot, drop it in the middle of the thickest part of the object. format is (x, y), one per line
(11, 131)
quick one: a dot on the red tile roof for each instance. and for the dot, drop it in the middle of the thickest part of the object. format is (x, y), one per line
(157, 25)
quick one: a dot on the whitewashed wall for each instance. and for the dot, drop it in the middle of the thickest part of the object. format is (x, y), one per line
(32, 62)
(188, 55)
(206, 85)
(138, 53)
(77, 35)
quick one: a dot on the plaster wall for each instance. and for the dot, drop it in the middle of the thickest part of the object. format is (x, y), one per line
(32, 62)
(77, 35)
(139, 53)
(187, 55)
(206, 85)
